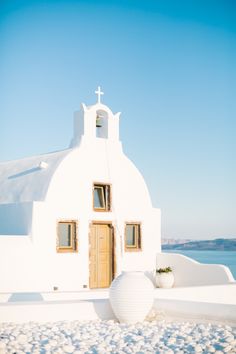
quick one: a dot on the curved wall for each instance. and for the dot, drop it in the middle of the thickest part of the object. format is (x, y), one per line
(188, 272)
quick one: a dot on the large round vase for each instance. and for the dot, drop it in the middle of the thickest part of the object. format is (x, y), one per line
(131, 296)
(165, 280)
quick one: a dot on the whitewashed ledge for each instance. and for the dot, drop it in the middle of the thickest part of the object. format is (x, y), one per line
(213, 303)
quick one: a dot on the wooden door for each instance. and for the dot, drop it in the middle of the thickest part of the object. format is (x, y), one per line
(101, 260)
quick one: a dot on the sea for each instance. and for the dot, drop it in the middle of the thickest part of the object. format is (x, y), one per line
(227, 258)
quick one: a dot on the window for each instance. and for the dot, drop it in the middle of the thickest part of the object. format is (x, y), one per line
(132, 237)
(101, 197)
(67, 241)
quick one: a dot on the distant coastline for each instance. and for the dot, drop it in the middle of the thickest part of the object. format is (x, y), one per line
(219, 244)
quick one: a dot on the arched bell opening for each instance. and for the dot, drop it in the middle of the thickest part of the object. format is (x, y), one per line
(101, 124)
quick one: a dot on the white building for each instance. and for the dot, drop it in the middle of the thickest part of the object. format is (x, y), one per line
(74, 219)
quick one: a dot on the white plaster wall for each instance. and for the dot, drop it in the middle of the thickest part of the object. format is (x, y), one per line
(85, 123)
(64, 191)
(104, 162)
(188, 272)
(15, 218)
(56, 311)
(66, 271)
(195, 310)
(25, 181)
(35, 263)
(16, 258)
(220, 294)
(28, 263)
(151, 231)
(31, 263)
(101, 309)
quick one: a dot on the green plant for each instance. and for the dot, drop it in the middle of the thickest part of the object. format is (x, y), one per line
(164, 270)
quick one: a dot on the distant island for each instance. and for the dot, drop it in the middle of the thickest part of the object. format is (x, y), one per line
(219, 244)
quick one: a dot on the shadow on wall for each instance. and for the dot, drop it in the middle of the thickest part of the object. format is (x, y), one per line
(16, 297)
(151, 276)
(24, 173)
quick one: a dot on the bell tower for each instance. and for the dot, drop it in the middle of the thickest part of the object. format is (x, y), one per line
(95, 122)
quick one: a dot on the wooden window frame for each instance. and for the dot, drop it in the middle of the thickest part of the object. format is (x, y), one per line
(74, 247)
(106, 196)
(138, 237)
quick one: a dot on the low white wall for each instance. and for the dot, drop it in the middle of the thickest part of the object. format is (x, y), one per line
(196, 310)
(188, 272)
(67, 306)
(220, 294)
(21, 312)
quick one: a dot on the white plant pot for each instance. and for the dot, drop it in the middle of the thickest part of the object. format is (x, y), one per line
(165, 280)
(131, 296)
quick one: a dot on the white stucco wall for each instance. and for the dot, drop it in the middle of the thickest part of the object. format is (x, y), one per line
(67, 194)
(25, 180)
(219, 294)
(16, 218)
(188, 272)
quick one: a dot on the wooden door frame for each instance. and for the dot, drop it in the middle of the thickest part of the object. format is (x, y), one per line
(113, 240)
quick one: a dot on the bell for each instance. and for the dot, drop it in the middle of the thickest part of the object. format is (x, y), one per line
(98, 122)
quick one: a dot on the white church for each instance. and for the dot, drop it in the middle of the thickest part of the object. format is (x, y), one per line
(74, 219)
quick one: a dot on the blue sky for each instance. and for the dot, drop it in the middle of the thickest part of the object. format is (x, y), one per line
(168, 66)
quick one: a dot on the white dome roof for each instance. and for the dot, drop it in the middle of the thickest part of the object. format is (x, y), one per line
(28, 179)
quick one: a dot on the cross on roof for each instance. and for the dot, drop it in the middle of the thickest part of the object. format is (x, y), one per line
(99, 93)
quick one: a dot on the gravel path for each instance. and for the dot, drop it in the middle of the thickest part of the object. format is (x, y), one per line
(102, 337)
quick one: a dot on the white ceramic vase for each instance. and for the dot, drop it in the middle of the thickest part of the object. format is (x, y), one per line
(165, 280)
(131, 296)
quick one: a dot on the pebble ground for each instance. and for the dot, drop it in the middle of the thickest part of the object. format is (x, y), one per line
(103, 337)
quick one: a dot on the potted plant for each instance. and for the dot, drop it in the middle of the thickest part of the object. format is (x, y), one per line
(164, 277)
